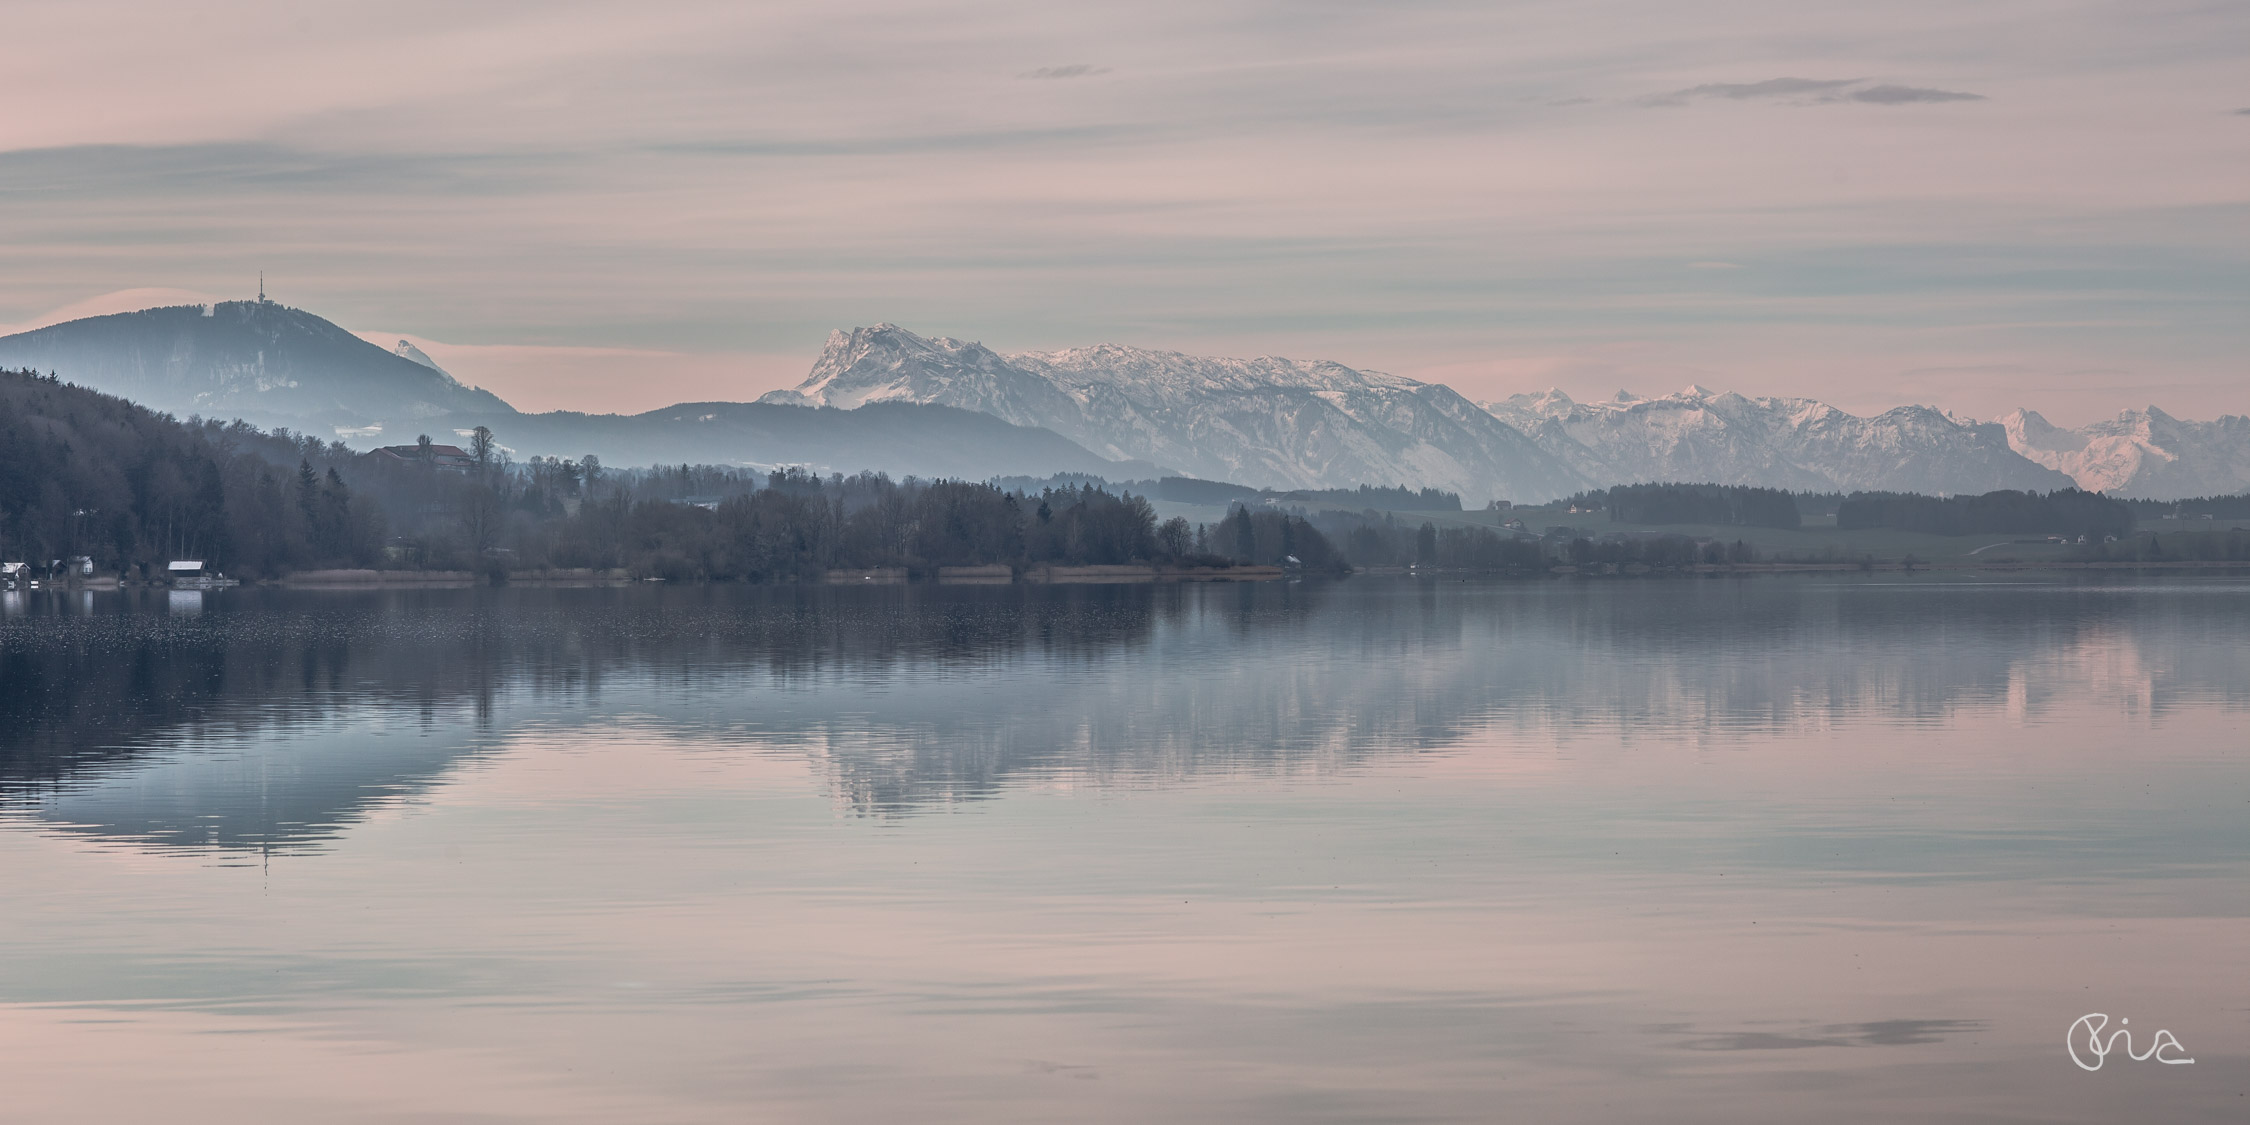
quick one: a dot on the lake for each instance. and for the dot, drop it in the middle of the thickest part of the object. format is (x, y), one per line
(1845, 849)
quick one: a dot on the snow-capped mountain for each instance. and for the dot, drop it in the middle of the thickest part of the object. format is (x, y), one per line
(1130, 412)
(272, 365)
(1797, 443)
(1266, 421)
(2141, 453)
(257, 360)
(407, 350)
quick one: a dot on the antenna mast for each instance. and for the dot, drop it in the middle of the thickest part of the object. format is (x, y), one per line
(261, 287)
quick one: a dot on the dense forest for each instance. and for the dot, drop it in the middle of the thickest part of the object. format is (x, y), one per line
(1726, 504)
(1398, 499)
(1189, 490)
(2065, 511)
(2194, 507)
(1371, 538)
(799, 526)
(83, 473)
(88, 474)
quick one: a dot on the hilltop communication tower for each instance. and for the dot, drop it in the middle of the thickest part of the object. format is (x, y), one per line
(261, 287)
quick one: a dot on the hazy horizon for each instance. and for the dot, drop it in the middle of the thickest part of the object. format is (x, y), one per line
(556, 378)
(2024, 204)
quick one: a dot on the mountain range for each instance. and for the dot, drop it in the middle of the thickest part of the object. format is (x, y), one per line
(1269, 421)
(885, 398)
(2145, 453)
(273, 365)
(1795, 443)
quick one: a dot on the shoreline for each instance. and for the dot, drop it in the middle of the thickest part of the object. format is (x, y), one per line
(366, 578)
(998, 575)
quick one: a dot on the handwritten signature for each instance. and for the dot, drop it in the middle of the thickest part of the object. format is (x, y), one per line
(2098, 1048)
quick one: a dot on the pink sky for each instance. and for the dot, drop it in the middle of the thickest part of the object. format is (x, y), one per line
(613, 208)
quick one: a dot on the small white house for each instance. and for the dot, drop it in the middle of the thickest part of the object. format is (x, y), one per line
(185, 568)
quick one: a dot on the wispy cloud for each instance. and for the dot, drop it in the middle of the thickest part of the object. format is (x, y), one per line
(1882, 1033)
(1901, 95)
(1812, 91)
(1074, 70)
(242, 168)
(1770, 88)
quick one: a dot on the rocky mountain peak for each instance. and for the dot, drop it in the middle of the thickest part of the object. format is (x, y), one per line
(406, 350)
(1269, 420)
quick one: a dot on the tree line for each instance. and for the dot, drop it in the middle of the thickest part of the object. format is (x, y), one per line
(2065, 511)
(1726, 504)
(799, 525)
(1371, 538)
(2194, 507)
(83, 473)
(1400, 498)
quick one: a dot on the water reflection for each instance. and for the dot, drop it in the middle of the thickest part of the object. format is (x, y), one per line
(1698, 851)
(264, 718)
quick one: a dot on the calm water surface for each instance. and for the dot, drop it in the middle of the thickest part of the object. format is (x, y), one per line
(1770, 850)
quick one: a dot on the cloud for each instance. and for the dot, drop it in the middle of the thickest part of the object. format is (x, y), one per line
(242, 168)
(1901, 95)
(1074, 70)
(123, 300)
(2244, 112)
(1812, 91)
(1770, 88)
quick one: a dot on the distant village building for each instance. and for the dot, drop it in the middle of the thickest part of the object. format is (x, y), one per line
(440, 456)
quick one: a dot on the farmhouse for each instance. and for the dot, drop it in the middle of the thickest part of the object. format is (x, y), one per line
(439, 456)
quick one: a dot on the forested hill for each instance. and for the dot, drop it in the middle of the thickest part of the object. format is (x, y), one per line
(259, 360)
(84, 473)
(2065, 511)
(1731, 504)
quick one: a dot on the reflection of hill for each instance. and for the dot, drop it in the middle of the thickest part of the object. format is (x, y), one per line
(274, 716)
(277, 787)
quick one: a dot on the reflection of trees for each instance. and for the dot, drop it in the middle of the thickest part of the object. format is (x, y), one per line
(910, 695)
(1265, 681)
